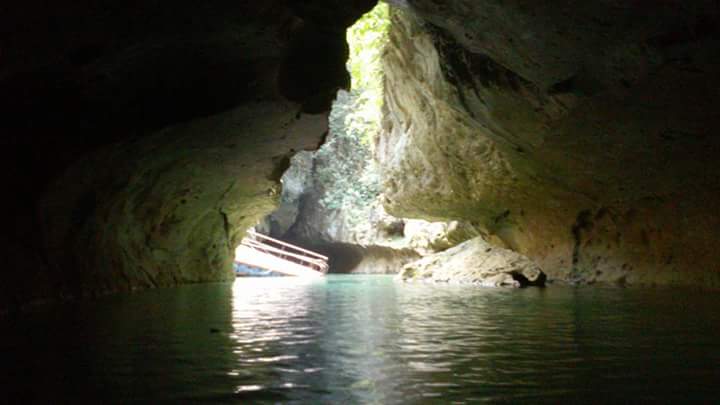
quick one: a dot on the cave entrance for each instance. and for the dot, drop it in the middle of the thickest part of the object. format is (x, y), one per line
(330, 195)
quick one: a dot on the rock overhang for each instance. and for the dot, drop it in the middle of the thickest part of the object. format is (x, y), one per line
(606, 108)
(135, 132)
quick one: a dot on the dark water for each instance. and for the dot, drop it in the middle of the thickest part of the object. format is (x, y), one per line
(368, 339)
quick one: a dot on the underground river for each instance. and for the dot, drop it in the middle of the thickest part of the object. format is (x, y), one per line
(367, 339)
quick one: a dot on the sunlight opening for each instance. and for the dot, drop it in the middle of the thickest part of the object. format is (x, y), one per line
(343, 190)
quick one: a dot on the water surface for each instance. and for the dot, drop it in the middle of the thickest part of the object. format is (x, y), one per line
(367, 339)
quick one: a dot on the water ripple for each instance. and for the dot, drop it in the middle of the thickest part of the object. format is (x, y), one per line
(373, 340)
(358, 339)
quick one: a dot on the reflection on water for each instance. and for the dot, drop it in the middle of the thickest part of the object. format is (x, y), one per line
(368, 339)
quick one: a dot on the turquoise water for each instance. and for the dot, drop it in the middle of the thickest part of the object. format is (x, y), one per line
(367, 339)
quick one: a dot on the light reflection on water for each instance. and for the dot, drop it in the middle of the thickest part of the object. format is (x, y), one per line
(368, 339)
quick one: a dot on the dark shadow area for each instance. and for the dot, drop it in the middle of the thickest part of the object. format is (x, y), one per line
(343, 258)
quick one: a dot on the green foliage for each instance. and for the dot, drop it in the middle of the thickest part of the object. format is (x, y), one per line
(367, 39)
(344, 167)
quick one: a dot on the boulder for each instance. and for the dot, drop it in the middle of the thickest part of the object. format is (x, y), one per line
(476, 262)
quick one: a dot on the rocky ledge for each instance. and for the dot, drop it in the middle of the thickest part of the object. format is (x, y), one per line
(476, 262)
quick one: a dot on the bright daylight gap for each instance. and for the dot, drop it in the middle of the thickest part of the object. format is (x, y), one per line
(356, 115)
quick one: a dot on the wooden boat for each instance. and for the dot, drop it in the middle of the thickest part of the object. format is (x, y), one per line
(262, 256)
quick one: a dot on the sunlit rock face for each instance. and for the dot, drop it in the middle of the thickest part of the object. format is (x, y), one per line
(582, 136)
(141, 138)
(329, 204)
(475, 262)
(296, 182)
(172, 207)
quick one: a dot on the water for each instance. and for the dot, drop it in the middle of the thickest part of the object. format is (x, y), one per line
(367, 339)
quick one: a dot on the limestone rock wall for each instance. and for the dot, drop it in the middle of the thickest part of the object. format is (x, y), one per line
(582, 136)
(172, 207)
(139, 138)
(295, 182)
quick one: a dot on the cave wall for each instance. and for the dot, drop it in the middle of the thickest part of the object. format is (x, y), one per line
(581, 135)
(139, 139)
(172, 207)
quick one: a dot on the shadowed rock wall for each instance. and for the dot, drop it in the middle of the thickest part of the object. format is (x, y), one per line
(139, 138)
(582, 135)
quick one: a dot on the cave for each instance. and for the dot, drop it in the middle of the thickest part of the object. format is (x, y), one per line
(569, 142)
